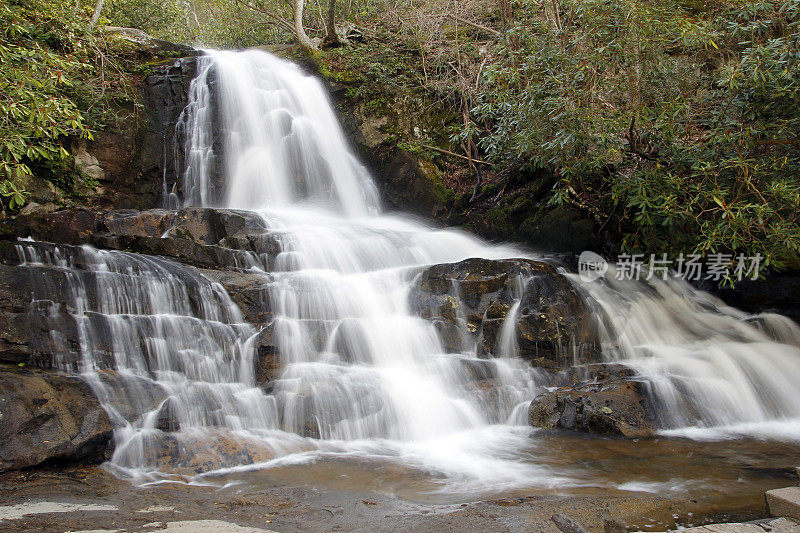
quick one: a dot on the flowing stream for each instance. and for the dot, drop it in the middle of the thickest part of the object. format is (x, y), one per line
(363, 379)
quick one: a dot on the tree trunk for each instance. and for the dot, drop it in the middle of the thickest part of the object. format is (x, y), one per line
(98, 8)
(331, 37)
(306, 43)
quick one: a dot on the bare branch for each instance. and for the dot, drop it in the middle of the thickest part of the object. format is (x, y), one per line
(476, 25)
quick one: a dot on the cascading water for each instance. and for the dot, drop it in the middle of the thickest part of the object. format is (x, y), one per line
(347, 269)
(166, 351)
(361, 375)
(713, 370)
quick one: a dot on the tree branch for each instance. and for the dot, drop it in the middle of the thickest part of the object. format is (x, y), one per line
(453, 154)
(275, 18)
(476, 25)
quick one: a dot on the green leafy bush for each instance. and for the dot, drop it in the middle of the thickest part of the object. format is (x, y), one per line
(49, 88)
(681, 119)
(164, 19)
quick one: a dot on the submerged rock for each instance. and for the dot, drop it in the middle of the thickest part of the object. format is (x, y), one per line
(197, 452)
(617, 406)
(46, 417)
(470, 301)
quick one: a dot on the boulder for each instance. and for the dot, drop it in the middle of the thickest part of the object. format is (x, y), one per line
(47, 417)
(473, 298)
(212, 226)
(617, 406)
(195, 453)
(143, 42)
(151, 223)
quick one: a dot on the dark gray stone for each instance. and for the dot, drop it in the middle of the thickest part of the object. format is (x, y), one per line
(47, 417)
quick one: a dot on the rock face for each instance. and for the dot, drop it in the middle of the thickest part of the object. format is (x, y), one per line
(471, 300)
(123, 166)
(153, 154)
(46, 418)
(211, 238)
(779, 292)
(406, 180)
(26, 325)
(614, 405)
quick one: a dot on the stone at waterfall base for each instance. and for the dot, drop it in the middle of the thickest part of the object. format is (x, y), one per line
(47, 417)
(92, 499)
(615, 407)
(784, 502)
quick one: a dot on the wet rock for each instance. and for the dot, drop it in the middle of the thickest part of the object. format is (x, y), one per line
(195, 453)
(124, 166)
(151, 223)
(211, 226)
(612, 407)
(566, 525)
(136, 396)
(779, 292)
(167, 419)
(595, 372)
(36, 302)
(47, 417)
(248, 290)
(407, 180)
(184, 251)
(70, 226)
(212, 238)
(164, 96)
(267, 363)
(33, 332)
(472, 299)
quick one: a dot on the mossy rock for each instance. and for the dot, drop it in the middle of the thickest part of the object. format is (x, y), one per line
(559, 229)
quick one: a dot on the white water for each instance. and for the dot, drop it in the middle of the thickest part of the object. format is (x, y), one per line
(714, 371)
(361, 376)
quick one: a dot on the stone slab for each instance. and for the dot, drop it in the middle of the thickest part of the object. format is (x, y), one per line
(784, 502)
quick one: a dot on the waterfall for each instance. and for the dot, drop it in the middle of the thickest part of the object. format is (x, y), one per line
(713, 371)
(165, 350)
(361, 375)
(346, 270)
(282, 142)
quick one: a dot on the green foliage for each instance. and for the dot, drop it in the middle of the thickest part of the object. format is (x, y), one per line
(35, 80)
(164, 19)
(686, 118)
(13, 194)
(729, 177)
(50, 89)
